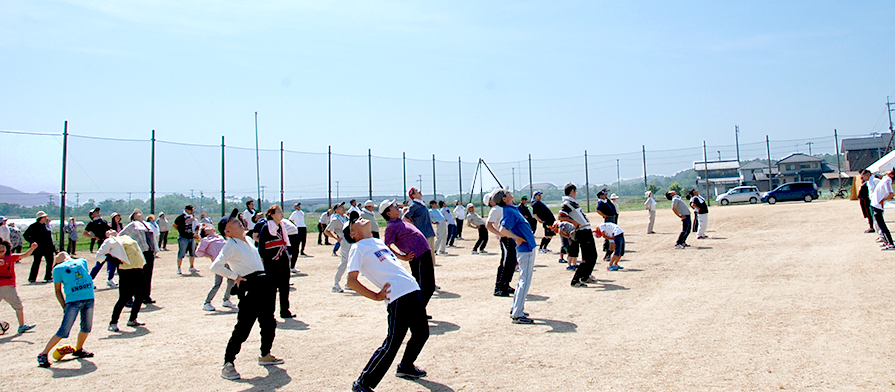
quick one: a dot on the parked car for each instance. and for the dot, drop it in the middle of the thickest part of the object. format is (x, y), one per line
(740, 194)
(806, 191)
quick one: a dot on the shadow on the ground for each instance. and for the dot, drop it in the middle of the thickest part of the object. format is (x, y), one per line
(148, 308)
(442, 327)
(127, 333)
(276, 378)
(86, 368)
(704, 247)
(558, 326)
(445, 294)
(535, 297)
(611, 287)
(293, 325)
(8, 338)
(433, 386)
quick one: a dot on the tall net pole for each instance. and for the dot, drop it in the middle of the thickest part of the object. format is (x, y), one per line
(62, 192)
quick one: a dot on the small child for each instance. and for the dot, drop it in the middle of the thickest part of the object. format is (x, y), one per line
(8, 291)
(566, 232)
(73, 275)
(616, 237)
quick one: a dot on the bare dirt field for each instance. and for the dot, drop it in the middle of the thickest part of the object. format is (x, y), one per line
(791, 296)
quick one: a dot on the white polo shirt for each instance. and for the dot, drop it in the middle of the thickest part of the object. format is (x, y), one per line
(298, 218)
(238, 258)
(377, 263)
(882, 189)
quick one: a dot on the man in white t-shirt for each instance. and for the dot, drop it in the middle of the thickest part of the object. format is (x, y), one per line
(372, 258)
(298, 219)
(881, 194)
(616, 237)
(460, 215)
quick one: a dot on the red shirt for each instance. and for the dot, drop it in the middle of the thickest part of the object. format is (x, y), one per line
(8, 270)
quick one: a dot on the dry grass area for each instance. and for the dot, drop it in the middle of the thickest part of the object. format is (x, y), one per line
(790, 296)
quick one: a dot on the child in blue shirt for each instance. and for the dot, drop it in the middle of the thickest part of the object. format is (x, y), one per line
(72, 276)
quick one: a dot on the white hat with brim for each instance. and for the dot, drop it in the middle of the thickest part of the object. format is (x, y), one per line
(385, 205)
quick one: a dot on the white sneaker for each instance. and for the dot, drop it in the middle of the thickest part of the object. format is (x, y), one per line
(193, 269)
(228, 304)
(338, 289)
(113, 327)
(208, 307)
(475, 252)
(178, 272)
(111, 283)
(293, 270)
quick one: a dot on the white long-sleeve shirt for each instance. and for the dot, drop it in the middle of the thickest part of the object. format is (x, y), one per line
(237, 259)
(459, 212)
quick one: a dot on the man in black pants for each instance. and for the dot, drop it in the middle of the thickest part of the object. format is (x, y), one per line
(543, 214)
(240, 261)
(406, 309)
(39, 233)
(609, 213)
(507, 266)
(571, 212)
(680, 208)
(864, 199)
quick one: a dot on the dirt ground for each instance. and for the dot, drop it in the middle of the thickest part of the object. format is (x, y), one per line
(790, 296)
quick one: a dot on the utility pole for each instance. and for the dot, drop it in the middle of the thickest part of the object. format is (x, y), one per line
(809, 148)
(838, 163)
(719, 156)
(337, 190)
(645, 186)
(420, 183)
(514, 179)
(258, 163)
(737, 127)
(767, 141)
(262, 194)
(891, 132)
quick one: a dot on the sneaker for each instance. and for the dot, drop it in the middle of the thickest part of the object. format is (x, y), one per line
(588, 280)
(193, 269)
(522, 320)
(42, 361)
(572, 267)
(228, 371)
(337, 289)
(114, 327)
(148, 301)
(562, 261)
(579, 284)
(178, 272)
(501, 293)
(542, 251)
(702, 237)
(547, 250)
(82, 354)
(484, 252)
(269, 359)
(620, 267)
(287, 315)
(25, 327)
(678, 246)
(208, 307)
(475, 252)
(228, 304)
(293, 270)
(135, 323)
(111, 283)
(358, 387)
(612, 268)
(410, 373)
(890, 247)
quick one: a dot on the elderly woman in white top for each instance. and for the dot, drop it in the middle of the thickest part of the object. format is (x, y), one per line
(162, 223)
(650, 205)
(144, 233)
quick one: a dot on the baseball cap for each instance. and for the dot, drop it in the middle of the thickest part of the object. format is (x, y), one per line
(410, 192)
(386, 204)
(2, 219)
(470, 205)
(223, 222)
(497, 195)
(537, 193)
(602, 192)
(598, 233)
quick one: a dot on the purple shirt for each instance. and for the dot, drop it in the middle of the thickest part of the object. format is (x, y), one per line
(210, 246)
(406, 237)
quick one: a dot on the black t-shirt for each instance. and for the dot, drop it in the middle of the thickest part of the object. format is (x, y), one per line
(542, 211)
(98, 227)
(185, 226)
(606, 207)
(526, 213)
(700, 204)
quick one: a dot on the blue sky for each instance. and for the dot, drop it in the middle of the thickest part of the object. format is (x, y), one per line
(497, 80)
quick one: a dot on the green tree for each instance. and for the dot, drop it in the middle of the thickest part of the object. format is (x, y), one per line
(675, 187)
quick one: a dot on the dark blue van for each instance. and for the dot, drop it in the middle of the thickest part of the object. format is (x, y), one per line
(806, 191)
